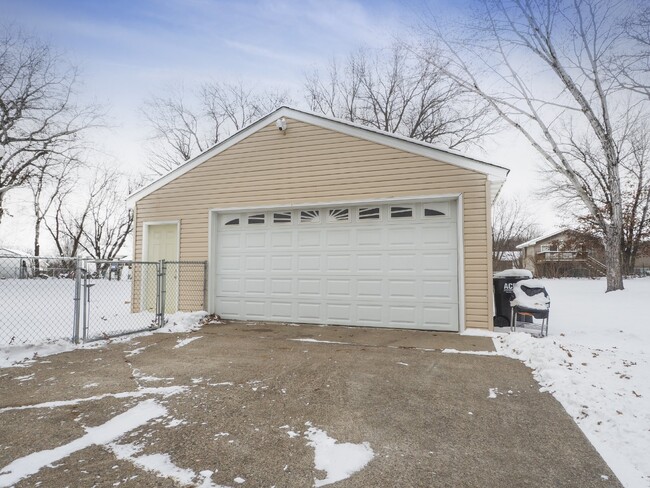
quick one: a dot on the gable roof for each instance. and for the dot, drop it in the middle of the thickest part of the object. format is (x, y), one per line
(532, 242)
(496, 174)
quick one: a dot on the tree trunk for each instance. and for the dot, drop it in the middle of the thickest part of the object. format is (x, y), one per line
(613, 258)
(37, 245)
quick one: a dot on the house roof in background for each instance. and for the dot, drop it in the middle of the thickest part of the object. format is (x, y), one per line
(532, 242)
(496, 174)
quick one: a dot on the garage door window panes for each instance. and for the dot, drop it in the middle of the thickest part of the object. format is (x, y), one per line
(369, 213)
(310, 216)
(338, 215)
(256, 219)
(401, 212)
(234, 221)
(282, 218)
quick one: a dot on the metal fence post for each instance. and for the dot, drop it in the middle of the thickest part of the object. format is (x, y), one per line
(77, 301)
(162, 290)
(86, 310)
(205, 286)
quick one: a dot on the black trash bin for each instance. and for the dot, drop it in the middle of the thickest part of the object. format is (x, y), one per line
(503, 282)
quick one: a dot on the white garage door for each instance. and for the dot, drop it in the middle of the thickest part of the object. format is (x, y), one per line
(372, 265)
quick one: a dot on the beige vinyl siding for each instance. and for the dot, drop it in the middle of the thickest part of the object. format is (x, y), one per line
(312, 164)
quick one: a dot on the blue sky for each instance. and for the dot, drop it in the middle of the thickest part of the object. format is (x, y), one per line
(128, 50)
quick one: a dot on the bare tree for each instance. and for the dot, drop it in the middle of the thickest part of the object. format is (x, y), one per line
(98, 222)
(37, 113)
(51, 178)
(632, 66)
(395, 91)
(110, 221)
(185, 125)
(512, 223)
(543, 66)
(635, 190)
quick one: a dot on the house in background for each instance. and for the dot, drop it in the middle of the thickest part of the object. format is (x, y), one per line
(562, 253)
(309, 219)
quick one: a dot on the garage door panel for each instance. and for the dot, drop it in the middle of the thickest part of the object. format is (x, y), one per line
(367, 238)
(368, 288)
(369, 263)
(281, 286)
(282, 263)
(309, 263)
(255, 264)
(403, 263)
(308, 312)
(327, 266)
(339, 288)
(443, 262)
(440, 289)
(255, 286)
(308, 238)
(255, 240)
(282, 240)
(309, 287)
(229, 286)
(281, 310)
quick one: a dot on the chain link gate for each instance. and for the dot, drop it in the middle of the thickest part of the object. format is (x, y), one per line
(108, 298)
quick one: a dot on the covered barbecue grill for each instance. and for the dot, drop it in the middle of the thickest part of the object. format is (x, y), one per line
(530, 301)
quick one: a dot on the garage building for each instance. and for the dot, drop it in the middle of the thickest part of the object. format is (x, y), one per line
(308, 219)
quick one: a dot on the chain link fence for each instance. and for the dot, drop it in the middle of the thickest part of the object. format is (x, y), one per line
(44, 299)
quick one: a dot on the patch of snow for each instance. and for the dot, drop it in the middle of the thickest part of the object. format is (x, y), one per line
(185, 342)
(321, 342)
(515, 273)
(115, 428)
(339, 461)
(239, 480)
(182, 322)
(596, 362)
(135, 352)
(91, 385)
(492, 392)
(292, 434)
(401, 363)
(27, 377)
(24, 355)
(165, 391)
(475, 353)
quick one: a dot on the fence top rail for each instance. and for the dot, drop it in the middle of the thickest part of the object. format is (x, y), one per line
(115, 261)
(186, 262)
(44, 258)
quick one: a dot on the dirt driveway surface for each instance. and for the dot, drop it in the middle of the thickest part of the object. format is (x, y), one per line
(239, 400)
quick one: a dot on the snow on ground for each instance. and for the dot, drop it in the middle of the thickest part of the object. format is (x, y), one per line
(102, 434)
(339, 461)
(25, 355)
(41, 310)
(596, 362)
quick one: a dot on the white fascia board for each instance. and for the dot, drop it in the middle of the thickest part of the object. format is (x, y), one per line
(496, 174)
(533, 242)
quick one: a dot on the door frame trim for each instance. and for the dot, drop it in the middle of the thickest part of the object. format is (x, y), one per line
(458, 197)
(145, 236)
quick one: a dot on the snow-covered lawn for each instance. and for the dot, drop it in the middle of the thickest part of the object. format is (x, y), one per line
(40, 310)
(596, 362)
